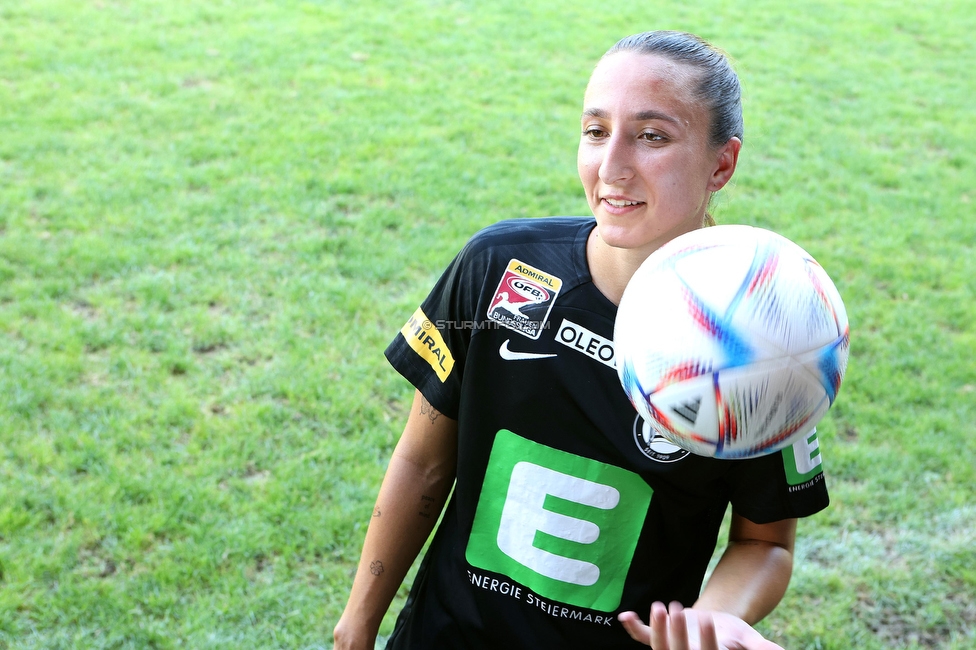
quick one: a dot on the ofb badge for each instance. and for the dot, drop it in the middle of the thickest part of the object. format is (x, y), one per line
(524, 298)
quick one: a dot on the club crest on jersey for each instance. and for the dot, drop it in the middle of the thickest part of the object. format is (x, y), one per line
(524, 298)
(654, 445)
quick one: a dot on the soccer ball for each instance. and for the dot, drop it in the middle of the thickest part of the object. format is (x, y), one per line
(731, 341)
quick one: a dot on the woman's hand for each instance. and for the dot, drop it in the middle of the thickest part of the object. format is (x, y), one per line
(689, 629)
(348, 636)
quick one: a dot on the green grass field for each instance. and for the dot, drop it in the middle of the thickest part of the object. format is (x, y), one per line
(214, 216)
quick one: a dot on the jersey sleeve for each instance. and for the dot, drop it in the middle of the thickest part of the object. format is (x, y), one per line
(784, 485)
(431, 348)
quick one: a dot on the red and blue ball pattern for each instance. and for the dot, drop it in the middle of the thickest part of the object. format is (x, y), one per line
(732, 341)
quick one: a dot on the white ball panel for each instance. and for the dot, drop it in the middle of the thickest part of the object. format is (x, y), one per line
(715, 273)
(769, 402)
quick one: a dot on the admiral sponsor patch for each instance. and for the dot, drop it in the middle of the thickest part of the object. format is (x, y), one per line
(426, 340)
(524, 298)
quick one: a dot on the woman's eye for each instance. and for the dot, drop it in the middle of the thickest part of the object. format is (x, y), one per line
(652, 137)
(593, 132)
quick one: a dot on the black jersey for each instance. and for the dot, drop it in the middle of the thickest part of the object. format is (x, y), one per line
(568, 508)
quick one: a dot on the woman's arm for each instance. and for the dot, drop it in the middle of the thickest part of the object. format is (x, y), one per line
(414, 491)
(747, 583)
(754, 571)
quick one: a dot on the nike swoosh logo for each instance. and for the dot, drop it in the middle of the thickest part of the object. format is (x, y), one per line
(509, 355)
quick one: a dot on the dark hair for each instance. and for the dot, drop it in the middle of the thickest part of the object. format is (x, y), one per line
(718, 85)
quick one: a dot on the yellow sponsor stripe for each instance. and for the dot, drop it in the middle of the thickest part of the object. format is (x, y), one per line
(426, 340)
(533, 273)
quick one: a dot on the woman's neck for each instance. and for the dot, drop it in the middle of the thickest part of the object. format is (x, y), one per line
(611, 268)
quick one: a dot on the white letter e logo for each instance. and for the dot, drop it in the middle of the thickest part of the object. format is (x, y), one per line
(524, 514)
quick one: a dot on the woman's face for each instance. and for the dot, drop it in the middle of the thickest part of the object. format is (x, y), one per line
(644, 157)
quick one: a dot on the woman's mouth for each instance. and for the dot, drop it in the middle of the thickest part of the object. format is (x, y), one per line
(619, 206)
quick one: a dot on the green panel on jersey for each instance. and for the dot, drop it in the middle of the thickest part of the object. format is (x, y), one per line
(802, 460)
(564, 526)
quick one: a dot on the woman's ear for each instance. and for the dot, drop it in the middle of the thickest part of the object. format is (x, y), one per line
(728, 158)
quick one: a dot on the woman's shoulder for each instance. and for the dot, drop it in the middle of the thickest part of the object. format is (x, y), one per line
(529, 232)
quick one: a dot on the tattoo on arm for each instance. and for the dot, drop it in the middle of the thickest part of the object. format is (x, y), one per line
(425, 503)
(376, 567)
(376, 511)
(426, 408)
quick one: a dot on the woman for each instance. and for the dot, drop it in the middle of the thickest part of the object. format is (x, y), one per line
(568, 516)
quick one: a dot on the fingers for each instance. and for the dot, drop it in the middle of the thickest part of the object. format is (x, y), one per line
(769, 645)
(669, 629)
(706, 627)
(635, 627)
(655, 634)
(678, 634)
(659, 627)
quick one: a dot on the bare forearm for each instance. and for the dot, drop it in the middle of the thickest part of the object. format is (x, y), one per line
(406, 510)
(414, 491)
(749, 580)
(747, 584)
